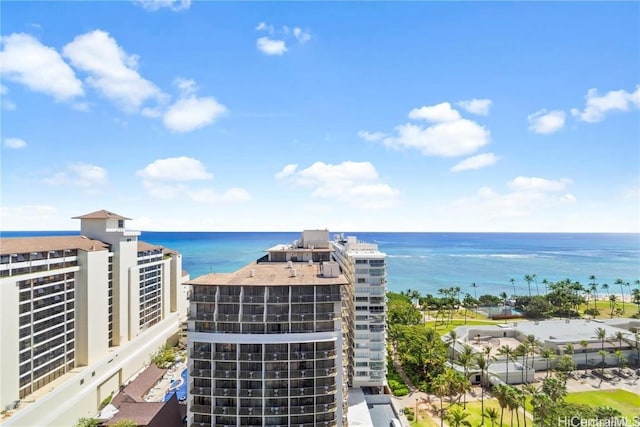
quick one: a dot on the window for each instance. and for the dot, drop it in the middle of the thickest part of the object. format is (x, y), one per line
(120, 223)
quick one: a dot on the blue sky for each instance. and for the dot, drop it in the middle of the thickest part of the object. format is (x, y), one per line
(364, 116)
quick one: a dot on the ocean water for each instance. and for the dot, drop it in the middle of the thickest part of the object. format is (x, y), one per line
(431, 261)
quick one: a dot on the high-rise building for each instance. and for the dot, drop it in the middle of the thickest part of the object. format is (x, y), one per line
(268, 343)
(273, 343)
(365, 268)
(79, 315)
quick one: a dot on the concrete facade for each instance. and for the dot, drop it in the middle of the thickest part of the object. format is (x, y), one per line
(80, 315)
(366, 269)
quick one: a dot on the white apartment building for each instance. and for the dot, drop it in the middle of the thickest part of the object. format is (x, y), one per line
(79, 315)
(268, 343)
(365, 267)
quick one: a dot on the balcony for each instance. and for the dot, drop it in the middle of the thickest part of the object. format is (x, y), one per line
(250, 411)
(202, 373)
(201, 391)
(251, 375)
(202, 355)
(244, 392)
(253, 318)
(203, 298)
(276, 392)
(224, 374)
(225, 410)
(201, 409)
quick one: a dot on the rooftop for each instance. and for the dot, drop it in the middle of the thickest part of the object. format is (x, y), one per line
(15, 245)
(101, 214)
(271, 274)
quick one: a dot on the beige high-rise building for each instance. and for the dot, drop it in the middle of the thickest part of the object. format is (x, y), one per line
(79, 315)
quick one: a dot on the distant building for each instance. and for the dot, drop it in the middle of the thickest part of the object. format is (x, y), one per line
(579, 335)
(366, 269)
(80, 315)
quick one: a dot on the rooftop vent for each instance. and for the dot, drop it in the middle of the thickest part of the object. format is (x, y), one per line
(252, 273)
(310, 262)
(293, 272)
(289, 264)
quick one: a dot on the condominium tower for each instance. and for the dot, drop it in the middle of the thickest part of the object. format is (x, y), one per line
(267, 343)
(272, 343)
(80, 315)
(365, 268)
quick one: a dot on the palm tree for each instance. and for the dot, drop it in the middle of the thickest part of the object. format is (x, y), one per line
(618, 336)
(601, 334)
(585, 344)
(521, 350)
(545, 282)
(475, 290)
(466, 359)
(594, 288)
(533, 344)
(621, 358)
(451, 344)
(622, 284)
(505, 350)
(492, 414)
(528, 278)
(548, 355)
(513, 403)
(513, 283)
(602, 354)
(440, 388)
(482, 363)
(606, 288)
(635, 295)
(457, 417)
(501, 393)
(612, 302)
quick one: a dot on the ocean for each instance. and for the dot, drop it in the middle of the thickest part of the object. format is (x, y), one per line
(430, 261)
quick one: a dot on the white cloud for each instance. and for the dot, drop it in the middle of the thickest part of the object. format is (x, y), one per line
(476, 162)
(187, 87)
(174, 177)
(532, 183)
(546, 122)
(597, 106)
(189, 114)
(354, 183)
(175, 5)
(302, 35)
(476, 106)
(79, 175)
(529, 195)
(111, 70)
(286, 171)
(271, 46)
(371, 136)
(175, 169)
(27, 61)
(449, 139)
(263, 26)
(3, 90)
(435, 113)
(15, 143)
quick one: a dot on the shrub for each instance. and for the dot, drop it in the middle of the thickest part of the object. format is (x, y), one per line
(592, 312)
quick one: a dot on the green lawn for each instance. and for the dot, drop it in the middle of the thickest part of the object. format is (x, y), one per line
(624, 401)
(445, 329)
